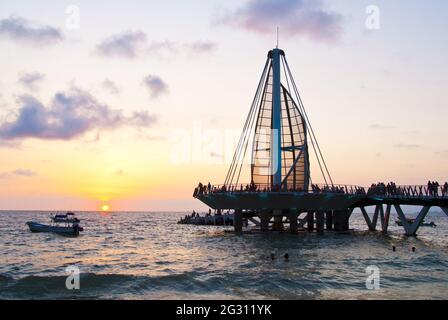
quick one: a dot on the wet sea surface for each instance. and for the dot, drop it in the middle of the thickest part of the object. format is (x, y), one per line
(149, 256)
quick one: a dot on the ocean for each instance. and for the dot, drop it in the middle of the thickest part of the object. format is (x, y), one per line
(138, 255)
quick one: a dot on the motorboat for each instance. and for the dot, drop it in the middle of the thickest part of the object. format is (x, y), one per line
(66, 224)
(422, 224)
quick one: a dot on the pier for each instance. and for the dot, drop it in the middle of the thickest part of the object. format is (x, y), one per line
(279, 139)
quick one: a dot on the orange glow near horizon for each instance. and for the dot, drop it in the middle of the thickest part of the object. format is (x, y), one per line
(105, 208)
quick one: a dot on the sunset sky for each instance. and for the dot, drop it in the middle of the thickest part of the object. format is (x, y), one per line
(132, 103)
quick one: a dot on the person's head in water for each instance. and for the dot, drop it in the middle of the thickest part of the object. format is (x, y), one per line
(272, 256)
(286, 256)
(394, 249)
(413, 249)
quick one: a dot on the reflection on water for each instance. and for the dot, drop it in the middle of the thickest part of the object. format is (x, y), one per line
(147, 255)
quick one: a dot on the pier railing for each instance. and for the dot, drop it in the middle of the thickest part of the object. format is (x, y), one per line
(263, 188)
(389, 191)
(426, 191)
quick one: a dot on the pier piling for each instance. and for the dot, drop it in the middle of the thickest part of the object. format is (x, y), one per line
(320, 221)
(238, 221)
(264, 218)
(329, 220)
(293, 224)
(310, 221)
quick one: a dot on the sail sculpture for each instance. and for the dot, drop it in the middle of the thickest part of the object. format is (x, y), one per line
(276, 133)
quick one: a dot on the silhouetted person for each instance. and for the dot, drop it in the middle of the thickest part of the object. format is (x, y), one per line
(413, 249)
(394, 249)
(272, 256)
(286, 257)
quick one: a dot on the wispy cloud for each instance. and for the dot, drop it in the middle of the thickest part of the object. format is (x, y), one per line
(128, 44)
(134, 44)
(301, 18)
(111, 86)
(31, 80)
(20, 30)
(18, 172)
(155, 85)
(407, 146)
(24, 173)
(201, 46)
(69, 115)
(158, 47)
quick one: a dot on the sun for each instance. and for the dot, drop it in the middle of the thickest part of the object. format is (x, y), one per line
(105, 208)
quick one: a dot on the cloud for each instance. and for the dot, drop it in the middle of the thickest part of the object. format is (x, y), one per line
(407, 146)
(125, 45)
(120, 172)
(69, 115)
(9, 144)
(201, 46)
(142, 119)
(216, 155)
(110, 86)
(295, 18)
(18, 172)
(162, 46)
(23, 31)
(134, 44)
(24, 173)
(30, 80)
(155, 85)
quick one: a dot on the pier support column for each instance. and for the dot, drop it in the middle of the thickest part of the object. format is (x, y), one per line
(411, 229)
(238, 221)
(445, 210)
(347, 215)
(264, 218)
(293, 224)
(385, 217)
(371, 223)
(329, 220)
(310, 221)
(342, 220)
(337, 218)
(320, 221)
(278, 220)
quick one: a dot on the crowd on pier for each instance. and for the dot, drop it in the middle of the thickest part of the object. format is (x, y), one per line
(433, 189)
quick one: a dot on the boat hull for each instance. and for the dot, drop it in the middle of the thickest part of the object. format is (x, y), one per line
(38, 227)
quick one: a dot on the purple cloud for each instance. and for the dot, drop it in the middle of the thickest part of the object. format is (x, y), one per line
(160, 46)
(155, 85)
(69, 115)
(23, 31)
(302, 18)
(18, 172)
(201, 46)
(142, 119)
(110, 86)
(30, 80)
(132, 44)
(125, 45)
